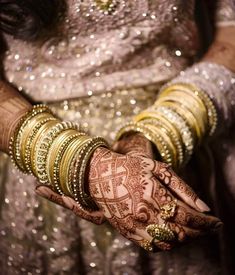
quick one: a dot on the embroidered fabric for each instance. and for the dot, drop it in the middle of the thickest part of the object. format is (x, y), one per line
(219, 83)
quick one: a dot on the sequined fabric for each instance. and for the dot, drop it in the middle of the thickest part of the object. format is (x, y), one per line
(100, 69)
(134, 46)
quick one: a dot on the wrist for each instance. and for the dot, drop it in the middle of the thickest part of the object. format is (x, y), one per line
(12, 108)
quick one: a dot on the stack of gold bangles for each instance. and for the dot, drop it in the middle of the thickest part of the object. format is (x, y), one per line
(178, 121)
(55, 152)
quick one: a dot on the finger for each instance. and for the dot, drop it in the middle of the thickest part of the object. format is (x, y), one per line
(96, 217)
(184, 192)
(183, 233)
(187, 216)
(183, 214)
(144, 239)
(47, 193)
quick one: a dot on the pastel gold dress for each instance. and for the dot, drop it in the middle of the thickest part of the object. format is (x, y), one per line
(102, 64)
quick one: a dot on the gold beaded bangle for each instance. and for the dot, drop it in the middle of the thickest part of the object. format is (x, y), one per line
(45, 145)
(170, 145)
(80, 194)
(28, 133)
(65, 164)
(187, 116)
(187, 106)
(37, 141)
(53, 151)
(179, 150)
(209, 105)
(157, 117)
(183, 128)
(156, 139)
(14, 147)
(191, 103)
(39, 127)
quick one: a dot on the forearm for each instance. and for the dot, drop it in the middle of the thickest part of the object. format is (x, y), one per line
(12, 107)
(222, 51)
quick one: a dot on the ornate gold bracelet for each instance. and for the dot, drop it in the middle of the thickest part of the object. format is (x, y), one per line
(209, 105)
(175, 140)
(187, 106)
(79, 190)
(155, 138)
(14, 146)
(44, 147)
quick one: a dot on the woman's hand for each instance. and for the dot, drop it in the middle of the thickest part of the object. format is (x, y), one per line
(96, 217)
(131, 190)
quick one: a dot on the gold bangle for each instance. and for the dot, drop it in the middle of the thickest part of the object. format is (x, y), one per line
(168, 141)
(157, 117)
(57, 164)
(30, 142)
(53, 151)
(187, 106)
(209, 105)
(28, 134)
(183, 128)
(187, 116)
(183, 89)
(45, 145)
(193, 103)
(37, 141)
(80, 194)
(176, 140)
(73, 148)
(14, 148)
(156, 139)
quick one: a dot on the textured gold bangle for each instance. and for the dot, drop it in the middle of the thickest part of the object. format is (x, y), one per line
(183, 128)
(187, 105)
(45, 145)
(53, 152)
(175, 139)
(157, 117)
(182, 89)
(30, 130)
(156, 139)
(37, 141)
(80, 193)
(192, 103)
(29, 142)
(65, 163)
(187, 116)
(209, 105)
(14, 147)
(169, 143)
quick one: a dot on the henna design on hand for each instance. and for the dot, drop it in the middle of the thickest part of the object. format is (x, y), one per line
(135, 144)
(96, 217)
(131, 189)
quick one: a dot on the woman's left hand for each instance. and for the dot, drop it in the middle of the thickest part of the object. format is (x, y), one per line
(96, 217)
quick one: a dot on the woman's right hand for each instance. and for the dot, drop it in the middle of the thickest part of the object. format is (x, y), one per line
(131, 191)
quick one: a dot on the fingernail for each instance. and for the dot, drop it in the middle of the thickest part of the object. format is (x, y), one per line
(202, 206)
